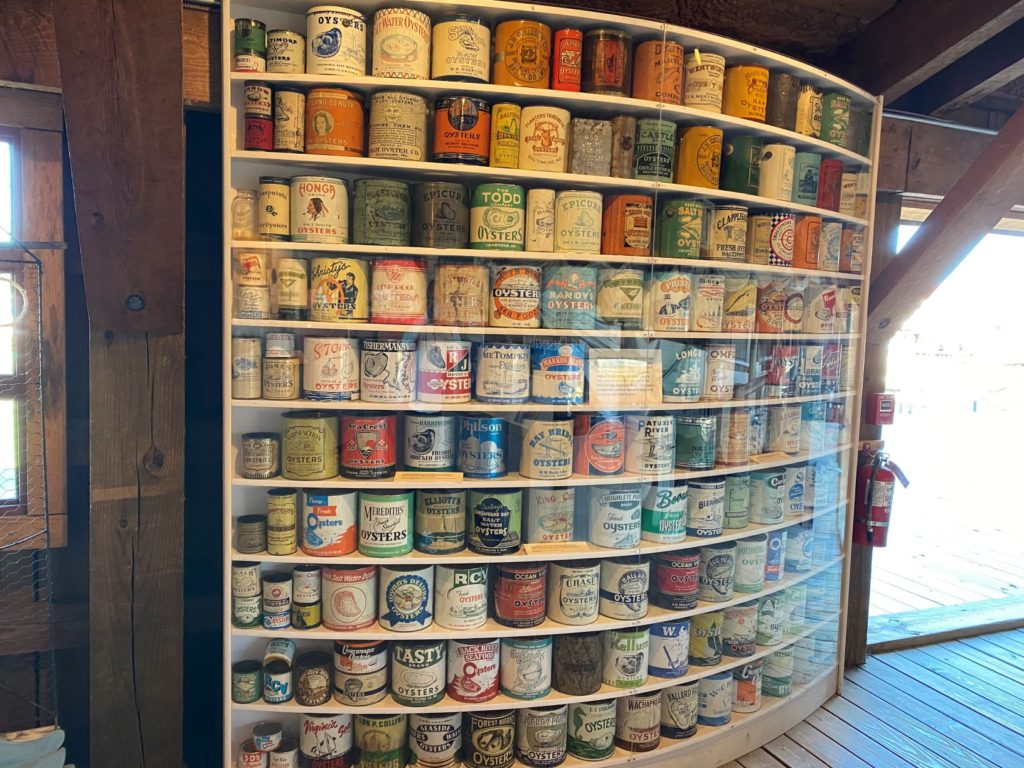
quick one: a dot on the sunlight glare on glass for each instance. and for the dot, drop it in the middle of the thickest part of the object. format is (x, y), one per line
(6, 193)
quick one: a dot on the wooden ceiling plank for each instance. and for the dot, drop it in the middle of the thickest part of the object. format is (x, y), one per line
(984, 194)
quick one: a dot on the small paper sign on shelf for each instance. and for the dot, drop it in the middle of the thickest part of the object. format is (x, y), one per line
(555, 546)
(450, 477)
(763, 458)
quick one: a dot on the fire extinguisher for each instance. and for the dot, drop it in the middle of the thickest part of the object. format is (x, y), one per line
(876, 481)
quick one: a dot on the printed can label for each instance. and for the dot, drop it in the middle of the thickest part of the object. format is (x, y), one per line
(406, 598)
(473, 670)
(573, 592)
(440, 522)
(460, 596)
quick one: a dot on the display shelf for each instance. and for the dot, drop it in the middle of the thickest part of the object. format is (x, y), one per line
(580, 104)
(515, 480)
(470, 253)
(580, 550)
(491, 628)
(387, 706)
(271, 163)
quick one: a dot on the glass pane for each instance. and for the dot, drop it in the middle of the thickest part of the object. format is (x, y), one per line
(8, 308)
(8, 451)
(6, 193)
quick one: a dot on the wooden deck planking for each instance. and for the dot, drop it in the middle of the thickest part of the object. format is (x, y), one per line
(969, 652)
(787, 751)
(821, 744)
(992, 648)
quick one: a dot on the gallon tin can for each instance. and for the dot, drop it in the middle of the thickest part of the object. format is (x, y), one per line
(675, 580)
(435, 740)
(519, 594)
(626, 225)
(406, 598)
(399, 287)
(654, 149)
(777, 673)
(705, 510)
(291, 275)
(745, 93)
(683, 378)
(338, 290)
(330, 368)
(720, 374)
(704, 81)
(497, 217)
(590, 151)
(286, 52)
(658, 71)
(328, 523)
(577, 663)
(776, 556)
(572, 596)
(385, 524)
(429, 444)
(739, 630)
(706, 639)
(502, 372)
(368, 445)
(808, 111)
(567, 60)
(835, 118)
(483, 446)
(667, 302)
(310, 445)
(799, 548)
(541, 736)
(806, 166)
(495, 522)
(381, 741)
(714, 699)
(775, 179)
(289, 119)
(793, 497)
(625, 656)
(245, 579)
(461, 294)
(741, 164)
(624, 586)
(443, 374)
(281, 378)
(506, 121)
(650, 444)
(515, 296)
(259, 134)
(679, 711)
(806, 241)
(670, 645)
(550, 515)
(325, 738)
(568, 297)
(440, 522)
(319, 210)
(387, 371)
(522, 53)
(767, 492)
(727, 233)
(695, 441)
(440, 215)
(337, 41)
(599, 444)
(460, 596)
(783, 91)
(751, 555)
(380, 212)
(334, 122)
(620, 297)
(699, 156)
(737, 501)
(591, 730)
(637, 722)
(547, 449)
(401, 44)
(759, 237)
(733, 443)
(578, 222)
(462, 130)
(740, 303)
(525, 668)
(717, 572)
(557, 375)
(397, 126)
(784, 428)
(830, 183)
(461, 49)
(544, 139)
(248, 61)
(418, 671)
(771, 304)
(679, 228)
(473, 669)
(349, 596)
(770, 619)
(614, 520)
(540, 220)
(251, 302)
(489, 738)
(607, 59)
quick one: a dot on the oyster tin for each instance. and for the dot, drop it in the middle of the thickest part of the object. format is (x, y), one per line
(547, 450)
(557, 375)
(550, 515)
(360, 657)
(440, 215)
(567, 60)
(368, 445)
(591, 734)
(540, 220)
(578, 216)
(462, 130)
(777, 673)
(599, 444)
(699, 156)
(627, 223)
(670, 646)
(519, 592)
(522, 53)
(483, 446)
(319, 209)
(541, 736)
(638, 721)
(261, 455)
(381, 740)
(683, 377)
(568, 297)
(497, 217)
(720, 373)
(576, 667)
(325, 738)
(658, 71)
(515, 296)
(650, 443)
(767, 496)
(443, 371)
(707, 303)
(793, 498)
(667, 302)
(737, 501)
(418, 670)
(435, 741)
(349, 595)
(385, 523)
(489, 739)
(460, 596)
(401, 44)
(620, 297)
(614, 519)
(274, 211)
(706, 639)
(741, 160)
(380, 213)
(406, 599)
(461, 294)
(525, 667)
(501, 372)
(607, 60)
(679, 228)
(771, 619)
(494, 521)
(679, 711)
(246, 681)
(695, 440)
(663, 514)
(705, 508)
(727, 233)
(328, 523)
(654, 149)
(717, 572)
(544, 140)
(330, 368)
(461, 49)
(289, 119)
(334, 123)
(573, 587)
(397, 126)
(473, 670)
(776, 556)
(704, 81)
(286, 52)
(336, 39)
(624, 586)
(338, 290)
(429, 444)
(676, 580)
(733, 437)
(751, 554)
(714, 699)
(625, 655)
(739, 630)
(387, 371)
(310, 445)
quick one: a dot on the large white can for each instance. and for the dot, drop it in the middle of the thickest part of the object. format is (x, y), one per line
(336, 39)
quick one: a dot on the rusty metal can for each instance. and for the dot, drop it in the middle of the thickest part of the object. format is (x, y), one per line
(607, 62)
(289, 119)
(259, 134)
(522, 53)
(461, 293)
(808, 111)
(658, 71)
(334, 122)
(274, 207)
(783, 91)
(567, 60)
(623, 139)
(380, 212)
(397, 126)
(462, 130)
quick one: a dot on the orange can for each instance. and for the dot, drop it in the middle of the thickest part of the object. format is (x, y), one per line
(334, 122)
(846, 250)
(805, 242)
(658, 71)
(462, 130)
(522, 53)
(746, 92)
(699, 156)
(626, 225)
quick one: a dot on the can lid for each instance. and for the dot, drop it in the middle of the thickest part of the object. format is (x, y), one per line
(280, 344)
(291, 88)
(261, 435)
(274, 180)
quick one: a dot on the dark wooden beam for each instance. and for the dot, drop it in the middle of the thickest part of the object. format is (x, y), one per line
(986, 69)
(975, 204)
(28, 53)
(915, 39)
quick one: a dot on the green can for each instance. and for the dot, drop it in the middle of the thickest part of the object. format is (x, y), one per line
(770, 620)
(418, 671)
(663, 514)
(386, 524)
(695, 441)
(706, 639)
(737, 501)
(679, 229)
(835, 118)
(654, 149)
(247, 683)
(741, 164)
(805, 178)
(382, 741)
(250, 36)
(497, 217)
(380, 212)
(591, 733)
(440, 215)
(777, 673)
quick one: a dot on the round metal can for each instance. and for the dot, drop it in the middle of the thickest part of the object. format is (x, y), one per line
(699, 156)
(567, 60)
(250, 268)
(591, 730)
(489, 738)
(440, 215)
(460, 596)
(663, 514)
(291, 276)
(679, 711)
(767, 496)
(251, 302)
(667, 302)
(679, 228)
(626, 225)
(675, 580)
(737, 501)
(650, 444)
(483, 446)
(706, 639)
(808, 111)
(741, 161)
(577, 668)
(620, 297)
(397, 126)
(387, 371)
(461, 50)
(625, 654)
(401, 44)
(541, 736)
(435, 740)
(460, 294)
(829, 246)
(334, 122)
(799, 548)
(248, 61)
(654, 149)
(775, 179)
(328, 523)
(330, 368)
(733, 443)
(544, 139)
(429, 442)
(502, 372)
(385, 523)
(739, 630)
(349, 597)
(246, 372)
(777, 673)
(259, 99)
(418, 672)
(599, 444)
(577, 222)
(714, 699)
(806, 167)
(547, 449)
(704, 81)
(705, 509)
(250, 35)
(806, 241)
(277, 600)
(745, 93)
(325, 737)
(382, 740)
(246, 681)
(695, 441)
(289, 119)
(793, 497)
(380, 212)
(519, 592)
(368, 445)
(830, 183)
(399, 291)
(310, 445)
(751, 554)
(707, 303)
(515, 298)
(717, 572)
(495, 522)
(360, 689)
(281, 378)
(683, 377)
(607, 62)
(549, 515)
(338, 290)
(638, 722)
(522, 53)
(727, 233)
(251, 534)
(558, 376)
(624, 586)
(572, 592)
(440, 522)
(497, 217)
(462, 130)
(784, 428)
(360, 657)
(783, 90)
(670, 645)
(770, 619)
(443, 374)
(658, 71)
(313, 673)
(614, 519)
(776, 555)
(336, 41)
(740, 304)
(568, 297)
(245, 579)
(835, 118)
(506, 119)
(286, 52)
(525, 668)
(720, 374)
(406, 598)
(247, 612)
(771, 304)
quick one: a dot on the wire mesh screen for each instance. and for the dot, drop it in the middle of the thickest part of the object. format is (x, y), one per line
(27, 676)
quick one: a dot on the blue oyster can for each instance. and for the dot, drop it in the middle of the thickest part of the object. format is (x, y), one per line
(501, 372)
(568, 297)
(670, 645)
(773, 564)
(714, 699)
(557, 372)
(483, 447)
(682, 365)
(805, 178)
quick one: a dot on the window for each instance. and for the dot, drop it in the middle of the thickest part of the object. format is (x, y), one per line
(9, 485)
(6, 190)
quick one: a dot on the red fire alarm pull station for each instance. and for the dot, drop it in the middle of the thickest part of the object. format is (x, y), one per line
(881, 408)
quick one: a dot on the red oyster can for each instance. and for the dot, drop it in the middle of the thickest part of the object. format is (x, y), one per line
(676, 580)
(830, 183)
(368, 444)
(782, 370)
(259, 133)
(399, 291)
(520, 594)
(567, 60)
(599, 444)
(830, 369)
(473, 669)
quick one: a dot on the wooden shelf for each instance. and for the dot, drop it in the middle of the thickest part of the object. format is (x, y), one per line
(491, 628)
(271, 163)
(578, 103)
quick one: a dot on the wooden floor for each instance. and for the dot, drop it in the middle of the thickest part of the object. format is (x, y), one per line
(953, 705)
